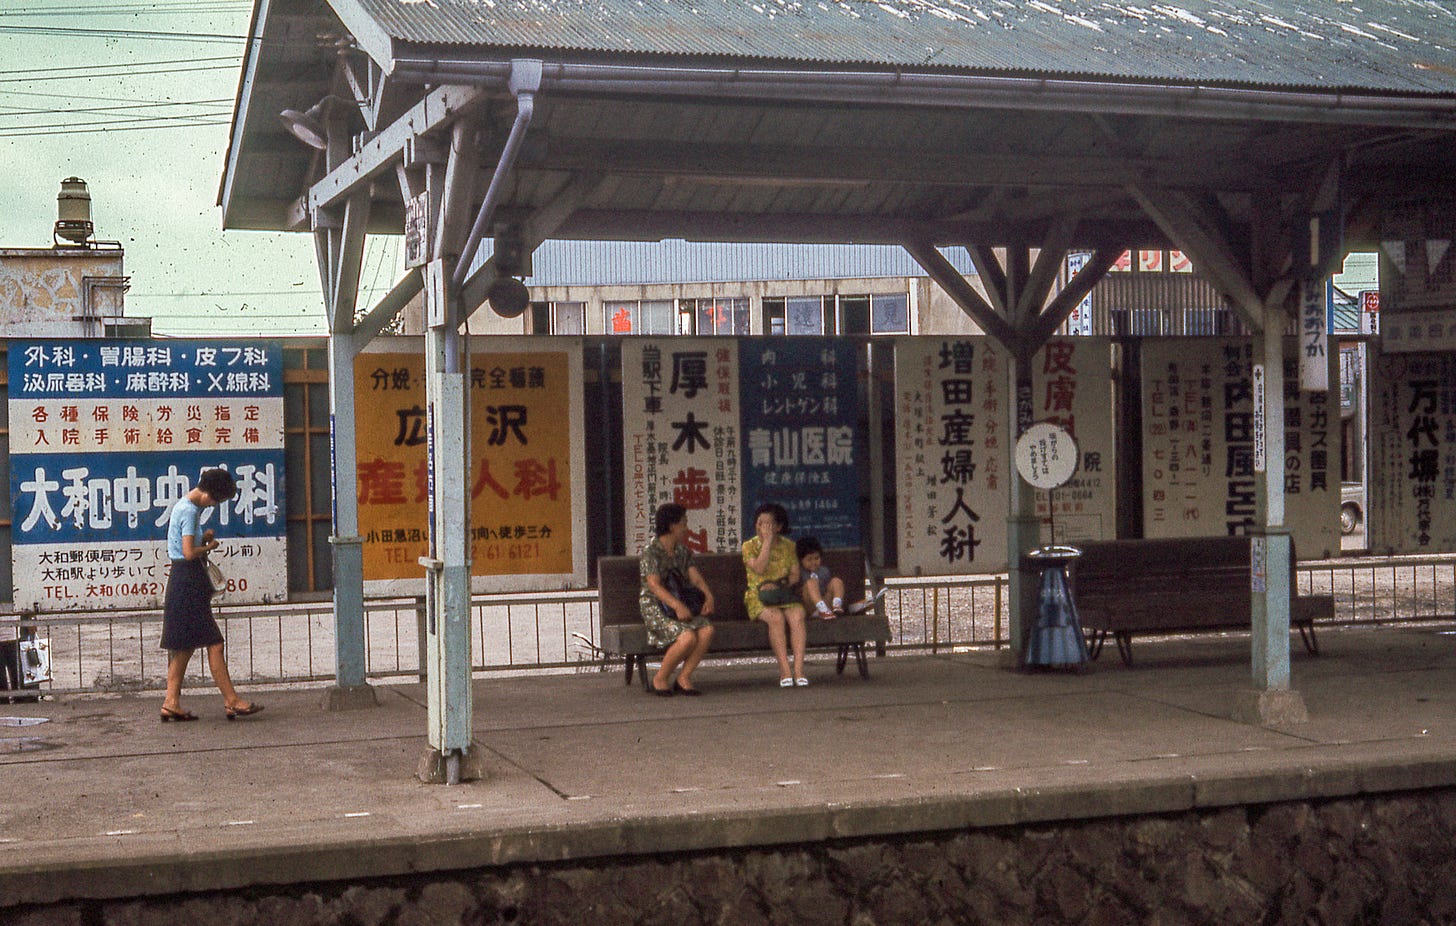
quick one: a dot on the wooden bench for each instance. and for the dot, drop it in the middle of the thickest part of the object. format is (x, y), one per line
(623, 633)
(1184, 585)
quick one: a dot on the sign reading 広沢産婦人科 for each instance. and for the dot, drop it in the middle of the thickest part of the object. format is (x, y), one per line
(800, 402)
(526, 471)
(952, 397)
(1202, 444)
(106, 435)
(680, 426)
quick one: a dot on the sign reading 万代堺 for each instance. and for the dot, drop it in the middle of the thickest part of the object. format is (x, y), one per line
(800, 406)
(525, 475)
(106, 435)
(1412, 484)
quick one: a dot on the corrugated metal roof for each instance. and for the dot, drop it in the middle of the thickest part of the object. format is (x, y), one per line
(610, 263)
(1385, 45)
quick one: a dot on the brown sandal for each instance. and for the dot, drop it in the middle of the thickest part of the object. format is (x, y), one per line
(252, 708)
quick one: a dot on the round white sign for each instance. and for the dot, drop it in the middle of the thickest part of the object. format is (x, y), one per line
(1046, 455)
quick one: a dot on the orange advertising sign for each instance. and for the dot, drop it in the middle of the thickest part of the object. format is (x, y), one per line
(520, 476)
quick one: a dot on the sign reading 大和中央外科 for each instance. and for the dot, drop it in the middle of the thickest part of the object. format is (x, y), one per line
(800, 409)
(1200, 445)
(680, 427)
(526, 475)
(106, 435)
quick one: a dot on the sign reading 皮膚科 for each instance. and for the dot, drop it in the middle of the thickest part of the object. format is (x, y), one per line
(1204, 444)
(680, 431)
(106, 435)
(1072, 387)
(525, 477)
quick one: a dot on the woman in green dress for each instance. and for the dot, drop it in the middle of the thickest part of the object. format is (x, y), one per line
(772, 565)
(676, 603)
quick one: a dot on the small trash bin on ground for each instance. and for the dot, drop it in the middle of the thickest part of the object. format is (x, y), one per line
(1056, 641)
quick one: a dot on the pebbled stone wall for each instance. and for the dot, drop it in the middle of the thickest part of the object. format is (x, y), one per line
(1388, 859)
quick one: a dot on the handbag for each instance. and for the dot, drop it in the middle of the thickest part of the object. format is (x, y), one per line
(216, 579)
(683, 590)
(777, 593)
(35, 660)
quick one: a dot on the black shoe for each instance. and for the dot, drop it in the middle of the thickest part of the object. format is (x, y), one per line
(660, 692)
(690, 692)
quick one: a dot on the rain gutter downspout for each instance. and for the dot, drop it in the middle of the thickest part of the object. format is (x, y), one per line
(967, 90)
(524, 80)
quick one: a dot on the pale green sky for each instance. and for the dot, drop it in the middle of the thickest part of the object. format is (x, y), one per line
(155, 190)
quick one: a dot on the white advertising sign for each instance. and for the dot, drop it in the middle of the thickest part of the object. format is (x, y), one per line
(680, 423)
(1199, 445)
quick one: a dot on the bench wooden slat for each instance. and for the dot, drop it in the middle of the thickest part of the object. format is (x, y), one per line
(1176, 585)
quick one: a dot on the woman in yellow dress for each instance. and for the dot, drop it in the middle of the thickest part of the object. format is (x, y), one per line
(772, 565)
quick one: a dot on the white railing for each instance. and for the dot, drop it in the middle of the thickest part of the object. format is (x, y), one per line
(294, 643)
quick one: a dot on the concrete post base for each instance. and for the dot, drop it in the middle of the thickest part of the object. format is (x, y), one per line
(350, 698)
(1270, 708)
(434, 770)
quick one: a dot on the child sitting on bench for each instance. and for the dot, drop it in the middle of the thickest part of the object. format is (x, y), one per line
(823, 592)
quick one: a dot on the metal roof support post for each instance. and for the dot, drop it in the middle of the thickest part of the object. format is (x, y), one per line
(1271, 701)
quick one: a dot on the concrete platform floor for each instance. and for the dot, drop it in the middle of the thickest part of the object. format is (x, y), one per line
(102, 800)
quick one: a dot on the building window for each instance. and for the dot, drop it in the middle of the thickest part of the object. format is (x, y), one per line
(715, 316)
(880, 314)
(556, 318)
(805, 314)
(890, 314)
(645, 316)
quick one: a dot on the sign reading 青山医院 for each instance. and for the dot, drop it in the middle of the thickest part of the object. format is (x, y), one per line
(106, 435)
(800, 409)
(680, 427)
(1201, 445)
(525, 475)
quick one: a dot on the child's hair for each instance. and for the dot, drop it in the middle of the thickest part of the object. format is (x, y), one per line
(807, 545)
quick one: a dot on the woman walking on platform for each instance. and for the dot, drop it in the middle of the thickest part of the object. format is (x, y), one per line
(187, 621)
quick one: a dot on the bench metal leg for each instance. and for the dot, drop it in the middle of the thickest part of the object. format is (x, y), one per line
(1095, 639)
(1306, 633)
(1124, 646)
(864, 665)
(840, 662)
(640, 663)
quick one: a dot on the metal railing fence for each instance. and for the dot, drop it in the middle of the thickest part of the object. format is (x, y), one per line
(546, 632)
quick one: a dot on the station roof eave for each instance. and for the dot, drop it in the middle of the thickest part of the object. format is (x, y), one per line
(729, 120)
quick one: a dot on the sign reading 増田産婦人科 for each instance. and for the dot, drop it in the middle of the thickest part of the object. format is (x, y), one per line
(106, 435)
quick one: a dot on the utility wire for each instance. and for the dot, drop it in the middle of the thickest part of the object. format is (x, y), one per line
(125, 128)
(124, 34)
(199, 6)
(138, 64)
(96, 74)
(94, 110)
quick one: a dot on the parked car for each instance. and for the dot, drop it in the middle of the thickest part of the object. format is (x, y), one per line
(1352, 506)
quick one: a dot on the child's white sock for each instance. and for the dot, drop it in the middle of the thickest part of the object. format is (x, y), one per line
(838, 604)
(822, 608)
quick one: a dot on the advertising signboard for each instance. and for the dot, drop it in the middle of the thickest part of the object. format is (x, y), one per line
(106, 435)
(526, 471)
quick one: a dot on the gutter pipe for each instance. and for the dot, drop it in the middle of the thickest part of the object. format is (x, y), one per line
(524, 79)
(903, 88)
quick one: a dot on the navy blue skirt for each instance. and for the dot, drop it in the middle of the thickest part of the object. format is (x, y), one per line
(187, 621)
